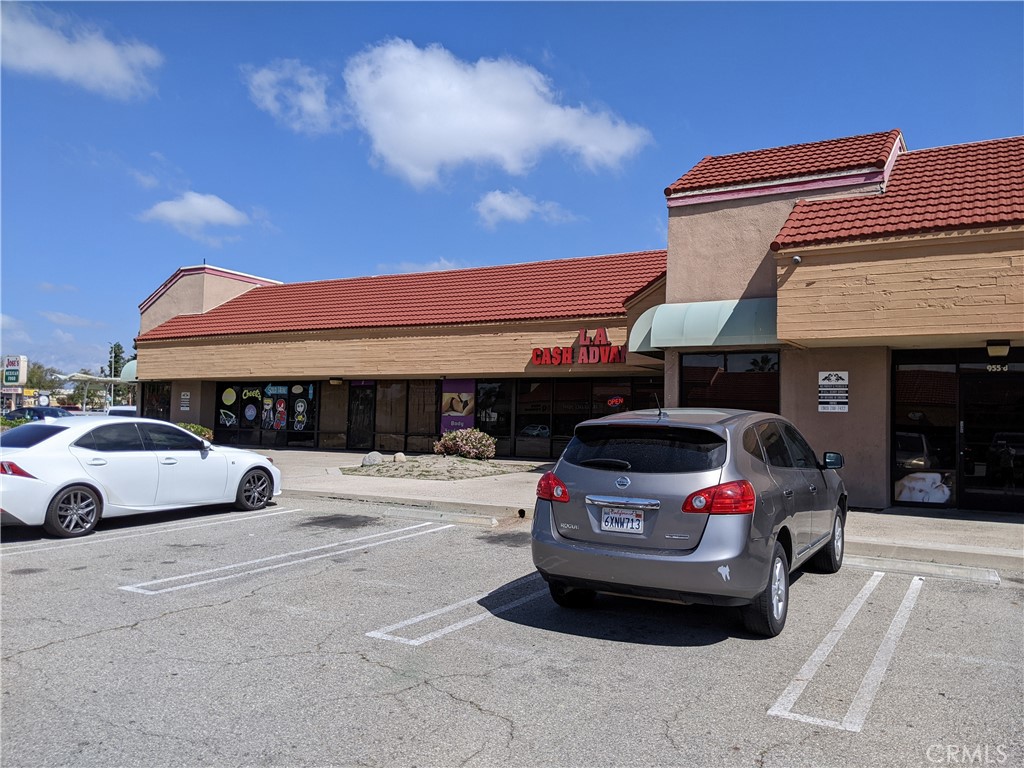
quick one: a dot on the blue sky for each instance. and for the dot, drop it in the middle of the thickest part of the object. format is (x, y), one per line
(323, 140)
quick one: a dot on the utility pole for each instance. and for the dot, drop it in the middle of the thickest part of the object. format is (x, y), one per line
(111, 373)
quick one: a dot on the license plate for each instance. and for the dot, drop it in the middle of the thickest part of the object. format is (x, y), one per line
(622, 520)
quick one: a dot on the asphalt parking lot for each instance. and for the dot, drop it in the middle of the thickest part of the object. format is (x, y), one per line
(320, 633)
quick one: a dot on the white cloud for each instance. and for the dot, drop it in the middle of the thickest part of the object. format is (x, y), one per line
(425, 111)
(39, 42)
(62, 337)
(405, 267)
(56, 288)
(12, 331)
(60, 318)
(295, 95)
(193, 213)
(144, 180)
(498, 206)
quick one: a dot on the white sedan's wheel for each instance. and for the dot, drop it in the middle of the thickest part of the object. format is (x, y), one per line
(72, 512)
(254, 491)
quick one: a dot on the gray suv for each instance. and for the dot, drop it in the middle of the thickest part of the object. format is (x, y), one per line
(689, 505)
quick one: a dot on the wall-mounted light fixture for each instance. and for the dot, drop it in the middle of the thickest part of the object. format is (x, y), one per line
(998, 347)
(335, 382)
(797, 259)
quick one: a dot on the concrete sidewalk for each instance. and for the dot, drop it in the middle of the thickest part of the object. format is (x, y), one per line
(949, 539)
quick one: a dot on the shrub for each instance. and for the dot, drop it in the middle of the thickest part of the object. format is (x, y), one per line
(468, 443)
(198, 429)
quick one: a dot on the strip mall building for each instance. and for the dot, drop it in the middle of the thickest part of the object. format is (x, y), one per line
(874, 295)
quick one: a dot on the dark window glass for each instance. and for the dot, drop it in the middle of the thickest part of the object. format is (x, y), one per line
(494, 407)
(28, 435)
(645, 449)
(802, 453)
(572, 405)
(533, 411)
(164, 437)
(746, 380)
(612, 396)
(156, 400)
(774, 445)
(751, 444)
(113, 437)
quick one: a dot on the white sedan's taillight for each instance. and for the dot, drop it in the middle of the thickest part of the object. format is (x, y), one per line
(12, 469)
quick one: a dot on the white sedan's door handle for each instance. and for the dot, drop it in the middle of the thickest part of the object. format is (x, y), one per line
(97, 462)
(168, 460)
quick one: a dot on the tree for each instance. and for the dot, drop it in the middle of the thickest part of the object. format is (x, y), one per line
(43, 377)
(116, 359)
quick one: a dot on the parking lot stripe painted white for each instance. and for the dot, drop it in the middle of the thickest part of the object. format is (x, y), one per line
(782, 707)
(107, 538)
(385, 633)
(858, 712)
(366, 544)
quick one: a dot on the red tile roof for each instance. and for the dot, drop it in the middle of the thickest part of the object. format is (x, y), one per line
(964, 186)
(870, 151)
(565, 288)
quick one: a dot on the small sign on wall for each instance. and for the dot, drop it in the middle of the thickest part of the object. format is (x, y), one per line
(833, 391)
(186, 401)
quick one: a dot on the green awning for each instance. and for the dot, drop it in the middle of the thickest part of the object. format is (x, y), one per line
(128, 374)
(736, 322)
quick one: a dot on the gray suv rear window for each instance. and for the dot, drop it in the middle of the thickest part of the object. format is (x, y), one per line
(645, 449)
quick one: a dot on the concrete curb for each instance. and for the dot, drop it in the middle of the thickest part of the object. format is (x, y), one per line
(917, 568)
(428, 509)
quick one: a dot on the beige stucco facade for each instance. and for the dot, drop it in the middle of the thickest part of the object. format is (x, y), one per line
(845, 307)
(192, 290)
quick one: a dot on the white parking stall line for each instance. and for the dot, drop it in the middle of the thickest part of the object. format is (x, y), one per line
(107, 538)
(385, 633)
(858, 711)
(142, 587)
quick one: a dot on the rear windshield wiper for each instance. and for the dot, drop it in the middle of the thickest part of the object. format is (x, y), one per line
(613, 463)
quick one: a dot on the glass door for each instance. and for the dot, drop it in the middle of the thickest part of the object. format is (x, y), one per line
(991, 440)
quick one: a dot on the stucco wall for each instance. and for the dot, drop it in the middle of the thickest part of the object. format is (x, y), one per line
(201, 401)
(862, 434)
(191, 294)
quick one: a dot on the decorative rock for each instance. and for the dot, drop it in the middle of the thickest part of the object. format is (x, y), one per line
(399, 458)
(372, 459)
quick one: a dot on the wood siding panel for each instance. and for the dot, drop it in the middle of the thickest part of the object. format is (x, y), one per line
(966, 289)
(469, 352)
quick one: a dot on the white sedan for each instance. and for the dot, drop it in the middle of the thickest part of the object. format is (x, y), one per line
(66, 474)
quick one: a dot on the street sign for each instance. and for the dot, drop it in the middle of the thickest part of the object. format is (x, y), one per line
(15, 370)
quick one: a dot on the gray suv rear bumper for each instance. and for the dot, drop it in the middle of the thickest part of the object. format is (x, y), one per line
(717, 571)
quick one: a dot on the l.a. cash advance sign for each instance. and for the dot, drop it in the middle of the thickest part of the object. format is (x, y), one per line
(587, 350)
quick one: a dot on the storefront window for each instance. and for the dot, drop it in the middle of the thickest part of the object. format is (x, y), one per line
(924, 418)
(533, 417)
(611, 396)
(156, 400)
(572, 405)
(275, 414)
(746, 380)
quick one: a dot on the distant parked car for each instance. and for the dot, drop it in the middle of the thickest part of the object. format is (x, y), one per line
(68, 474)
(37, 412)
(535, 430)
(689, 505)
(122, 410)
